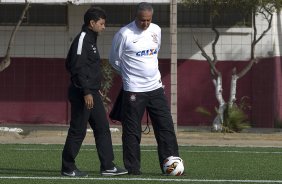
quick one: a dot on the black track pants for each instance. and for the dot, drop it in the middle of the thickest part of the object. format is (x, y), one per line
(97, 119)
(134, 105)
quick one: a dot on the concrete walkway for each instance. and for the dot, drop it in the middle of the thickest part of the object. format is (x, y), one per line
(192, 136)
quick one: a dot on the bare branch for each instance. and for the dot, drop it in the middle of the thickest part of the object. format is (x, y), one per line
(268, 27)
(205, 55)
(252, 60)
(214, 44)
(7, 60)
(255, 35)
(255, 41)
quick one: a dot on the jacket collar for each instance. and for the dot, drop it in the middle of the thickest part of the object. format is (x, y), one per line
(89, 31)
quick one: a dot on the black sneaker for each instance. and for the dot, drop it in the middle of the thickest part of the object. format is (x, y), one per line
(115, 171)
(75, 173)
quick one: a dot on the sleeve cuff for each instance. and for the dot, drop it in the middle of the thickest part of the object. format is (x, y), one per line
(86, 92)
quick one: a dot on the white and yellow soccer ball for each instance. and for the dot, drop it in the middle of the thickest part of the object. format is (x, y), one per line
(173, 166)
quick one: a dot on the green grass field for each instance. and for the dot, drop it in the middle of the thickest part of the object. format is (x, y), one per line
(40, 164)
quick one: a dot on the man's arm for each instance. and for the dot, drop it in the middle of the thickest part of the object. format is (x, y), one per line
(79, 69)
(160, 38)
(115, 56)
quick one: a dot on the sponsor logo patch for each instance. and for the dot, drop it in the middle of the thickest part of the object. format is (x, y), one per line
(148, 52)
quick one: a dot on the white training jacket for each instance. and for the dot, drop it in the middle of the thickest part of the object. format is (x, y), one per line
(134, 54)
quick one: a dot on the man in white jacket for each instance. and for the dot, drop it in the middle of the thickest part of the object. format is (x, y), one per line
(134, 54)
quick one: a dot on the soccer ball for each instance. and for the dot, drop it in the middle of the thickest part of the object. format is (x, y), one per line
(173, 166)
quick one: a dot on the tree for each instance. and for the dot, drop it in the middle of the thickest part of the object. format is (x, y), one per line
(108, 74)
(6, 61)
(252, 8)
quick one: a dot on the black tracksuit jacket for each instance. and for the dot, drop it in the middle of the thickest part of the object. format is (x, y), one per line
(83, 61)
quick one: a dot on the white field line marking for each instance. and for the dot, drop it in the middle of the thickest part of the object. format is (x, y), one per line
(141, 179)
(153, 150)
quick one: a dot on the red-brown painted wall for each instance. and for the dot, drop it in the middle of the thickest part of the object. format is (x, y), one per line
(278, 91)
(267, 91)
(33, 90)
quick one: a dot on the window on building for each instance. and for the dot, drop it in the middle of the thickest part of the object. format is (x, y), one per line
(233, 18)
(37, 14)
(193, 16)
(162, 15)
(118, 15)
(197, 16)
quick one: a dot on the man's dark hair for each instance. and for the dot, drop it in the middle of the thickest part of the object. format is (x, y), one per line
(143, 6)
(94, 13)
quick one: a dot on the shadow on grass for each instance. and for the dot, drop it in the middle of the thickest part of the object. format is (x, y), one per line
(29, 172)
(39, 172)
(57, 173)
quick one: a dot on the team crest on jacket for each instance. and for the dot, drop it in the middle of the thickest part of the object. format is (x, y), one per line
(94, 49)
(133, 97)
(155, 37)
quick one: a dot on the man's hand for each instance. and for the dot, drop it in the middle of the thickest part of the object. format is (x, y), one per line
(89, 102)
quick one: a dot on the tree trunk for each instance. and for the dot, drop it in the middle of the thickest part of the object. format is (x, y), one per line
(218, 121)
(233, 89)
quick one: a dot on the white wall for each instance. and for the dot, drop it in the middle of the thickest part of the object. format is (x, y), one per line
(46, 42)
(53, 42)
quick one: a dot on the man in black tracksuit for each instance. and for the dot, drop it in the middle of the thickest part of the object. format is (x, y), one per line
(83, 64)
